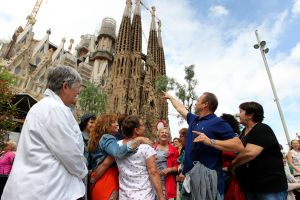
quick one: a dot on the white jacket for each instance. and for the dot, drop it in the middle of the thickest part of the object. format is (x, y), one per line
(49, 162)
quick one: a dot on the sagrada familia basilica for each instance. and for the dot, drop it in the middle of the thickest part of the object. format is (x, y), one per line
(113, 62)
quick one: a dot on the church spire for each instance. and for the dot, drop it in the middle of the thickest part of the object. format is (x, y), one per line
(127, 11)
(161, 54)
(152, 46)
(137, 28)
(137, 10)
(123, 42)
(121, 68)
(159, 34)
(153, 27)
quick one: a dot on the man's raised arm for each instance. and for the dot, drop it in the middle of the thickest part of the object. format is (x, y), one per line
(177, 105)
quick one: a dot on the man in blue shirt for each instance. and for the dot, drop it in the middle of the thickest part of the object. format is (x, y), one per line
(207, 136)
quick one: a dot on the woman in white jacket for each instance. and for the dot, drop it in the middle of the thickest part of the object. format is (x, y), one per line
(49, 162)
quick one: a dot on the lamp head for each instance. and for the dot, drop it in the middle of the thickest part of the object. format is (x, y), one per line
(266, 50)
(256, 46)
(262, 43)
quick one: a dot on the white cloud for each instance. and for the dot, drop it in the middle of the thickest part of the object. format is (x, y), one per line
(296, 7)
(226, 62)
(68, 18)
(273, 27)
(219, 10)
(234, 71)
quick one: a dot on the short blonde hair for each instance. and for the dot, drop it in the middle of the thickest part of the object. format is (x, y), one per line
(162, 129)
(12, 145)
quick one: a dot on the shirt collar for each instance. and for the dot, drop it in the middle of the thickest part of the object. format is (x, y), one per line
(209, 116)
(49, 93)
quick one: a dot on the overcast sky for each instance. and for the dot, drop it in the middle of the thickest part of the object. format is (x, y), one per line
(217, 36)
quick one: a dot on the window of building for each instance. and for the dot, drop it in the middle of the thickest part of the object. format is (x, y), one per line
(37, 60)
(18, 70)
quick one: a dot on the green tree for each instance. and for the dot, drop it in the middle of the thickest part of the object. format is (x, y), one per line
(7, 110)
(163, 83)
(92, 99)
(184, 92)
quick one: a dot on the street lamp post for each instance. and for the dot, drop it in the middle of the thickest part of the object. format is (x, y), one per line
(263, 50)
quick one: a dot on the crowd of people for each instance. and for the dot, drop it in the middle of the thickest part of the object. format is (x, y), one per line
(108, 157)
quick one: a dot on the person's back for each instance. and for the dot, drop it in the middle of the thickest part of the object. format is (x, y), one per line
(138, 175)
(134, 178)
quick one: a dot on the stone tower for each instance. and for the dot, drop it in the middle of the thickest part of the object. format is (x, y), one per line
(131, 87)
(154, 108)
(119, 79)
(161, 71)
(101, 51)
(135, 81)
(114, 63)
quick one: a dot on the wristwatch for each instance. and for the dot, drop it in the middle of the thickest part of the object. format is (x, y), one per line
(212, 142)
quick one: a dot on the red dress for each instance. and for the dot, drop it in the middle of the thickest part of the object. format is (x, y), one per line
(106, 184)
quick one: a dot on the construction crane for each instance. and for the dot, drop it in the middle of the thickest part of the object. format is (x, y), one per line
(31, 18)
(144, 5)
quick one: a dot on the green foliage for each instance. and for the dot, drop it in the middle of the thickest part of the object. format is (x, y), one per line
(184, 92)
(163, 83)
(7, 110)
(92, 99)
(6, 87)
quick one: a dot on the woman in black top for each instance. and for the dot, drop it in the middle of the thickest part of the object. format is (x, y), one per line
(260, 166)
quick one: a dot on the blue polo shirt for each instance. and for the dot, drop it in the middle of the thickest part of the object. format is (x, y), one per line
(214, 128)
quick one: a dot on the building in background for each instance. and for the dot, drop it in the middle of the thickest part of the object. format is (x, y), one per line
(113, 62)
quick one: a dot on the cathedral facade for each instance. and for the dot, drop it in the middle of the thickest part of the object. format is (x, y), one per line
(115, 63)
